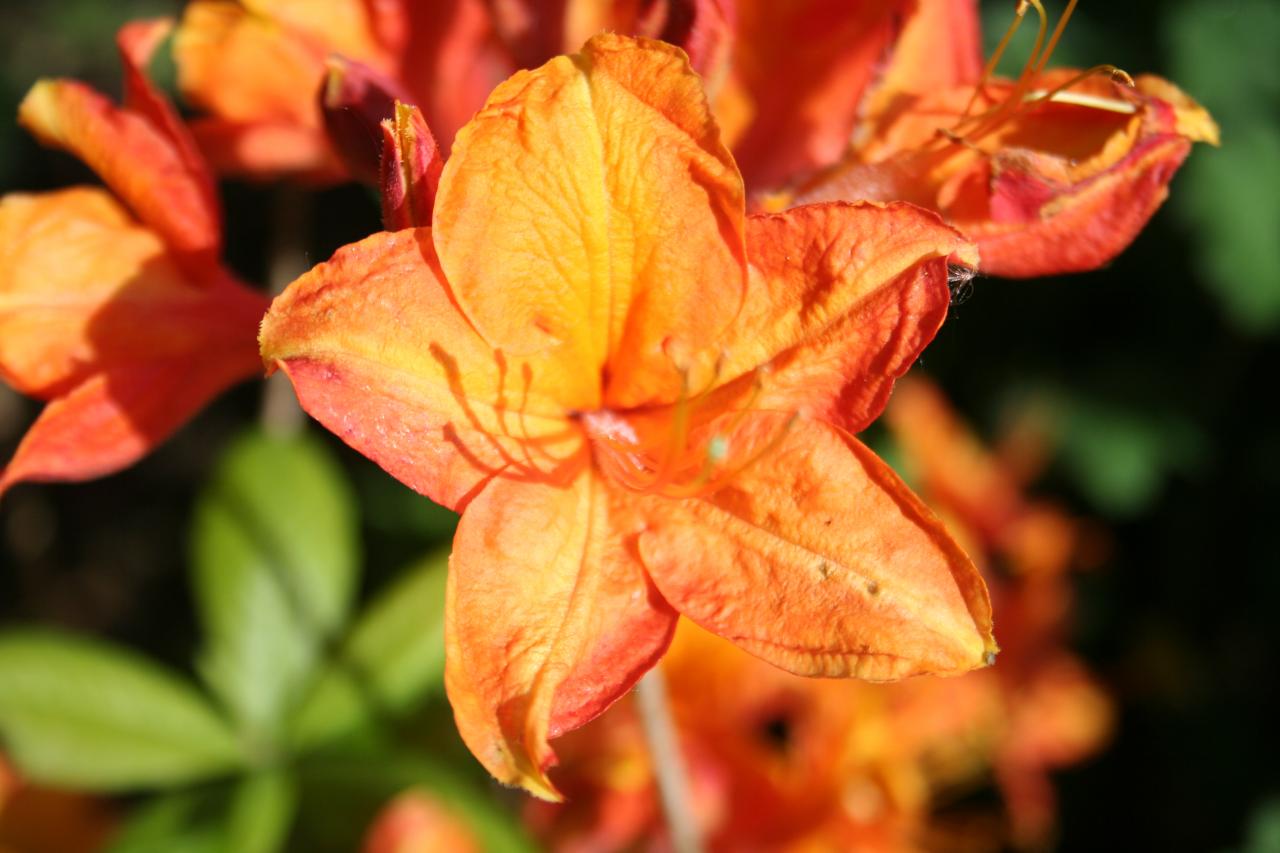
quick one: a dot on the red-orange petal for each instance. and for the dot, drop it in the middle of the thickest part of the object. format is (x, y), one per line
(804, 66)
(841, 300)
(550, 618)
(379, 353)
(590, 210)
(138, 160)
(113, 419)
(819, 560)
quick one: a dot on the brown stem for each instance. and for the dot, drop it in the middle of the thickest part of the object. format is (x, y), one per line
(291, 219)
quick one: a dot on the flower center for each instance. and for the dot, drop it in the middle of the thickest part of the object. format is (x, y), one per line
(688, 449)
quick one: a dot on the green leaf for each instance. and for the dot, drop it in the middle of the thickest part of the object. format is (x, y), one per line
(183, 822)
(1223, 53)
(341, 794)
(274, 550)
(262, 809)
(393, 657)
(1121, 457)
(81, 714)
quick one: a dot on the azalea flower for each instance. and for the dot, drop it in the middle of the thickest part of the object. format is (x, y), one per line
(1055, 171)
(779, 762)
(256, 66)
(113, 305)
(641, 401)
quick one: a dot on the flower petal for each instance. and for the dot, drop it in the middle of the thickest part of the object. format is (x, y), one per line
(84, 289)
(939, 47)
(246, 69)
(804, 65)
(841, 300)
(550, 618)
(379, 353)
(819, 560)
(591, 210)
(113, 419)
(139, 161)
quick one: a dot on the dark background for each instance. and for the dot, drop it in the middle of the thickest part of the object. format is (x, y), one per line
(1162, 371)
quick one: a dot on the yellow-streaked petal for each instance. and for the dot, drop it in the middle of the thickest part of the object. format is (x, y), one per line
(550, 618)
(379, 353)
(819, 560)
(590, 210)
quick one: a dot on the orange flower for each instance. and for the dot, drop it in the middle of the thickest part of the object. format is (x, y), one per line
(114, 307)
(1056, 171)
(641, 401)
(1057, 713)
(256, 66)
(416, 822)
(777, 762)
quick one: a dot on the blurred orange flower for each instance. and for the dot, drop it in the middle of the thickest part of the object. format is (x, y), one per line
(416, 822)
(113, 305)
(778, 762)
(44, 820)
(642, 402)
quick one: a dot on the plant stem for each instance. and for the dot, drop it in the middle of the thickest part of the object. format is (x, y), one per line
(287, 259)
(668, 763)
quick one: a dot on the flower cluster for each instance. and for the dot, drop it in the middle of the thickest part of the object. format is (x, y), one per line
(648, 269)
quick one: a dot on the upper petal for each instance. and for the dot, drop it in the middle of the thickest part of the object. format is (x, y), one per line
(139, 160)
(940, 46)
(379, 353)
(803, 66)
(841, 300)
(590, 210)
(819, 560)
(550, 618)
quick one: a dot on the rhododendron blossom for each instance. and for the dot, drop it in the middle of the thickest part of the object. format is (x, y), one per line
(642, 401)
(114, 305)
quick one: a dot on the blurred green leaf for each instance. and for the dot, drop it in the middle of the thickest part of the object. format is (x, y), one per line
(392, 658)
(274, 550)
(346, 793)
(262, 809)
(184, 822)
(1263, 835)
(81, 714)
(1223, 54)
(1121, 457)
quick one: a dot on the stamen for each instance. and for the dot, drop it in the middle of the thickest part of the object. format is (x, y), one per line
(994, 61)
(970, 127)
(1053, 40)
